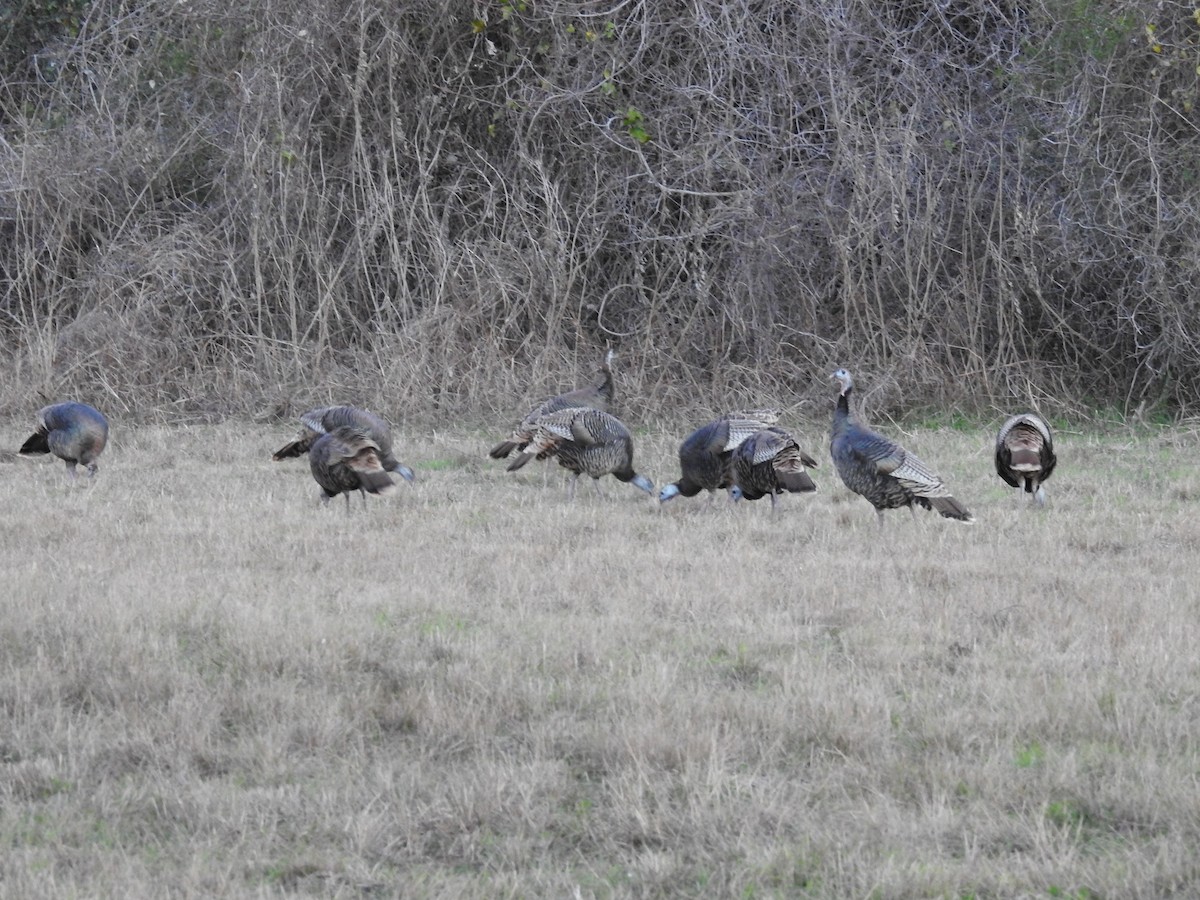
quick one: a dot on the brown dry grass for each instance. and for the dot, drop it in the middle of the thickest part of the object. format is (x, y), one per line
(211, 687)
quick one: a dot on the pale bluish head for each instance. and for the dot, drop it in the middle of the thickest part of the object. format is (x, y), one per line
(842, 377)
(735, 493)
(670, 492)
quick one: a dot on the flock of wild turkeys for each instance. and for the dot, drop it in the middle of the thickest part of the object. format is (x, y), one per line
(746, 453)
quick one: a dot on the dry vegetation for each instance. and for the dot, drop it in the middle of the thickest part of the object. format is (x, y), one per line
(212, 687)
(213, 214)
(211, 207)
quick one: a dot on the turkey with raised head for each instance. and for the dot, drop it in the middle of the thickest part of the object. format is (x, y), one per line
(705, 456)
(1025, 454)
(585, 441)
(74, 432)
(770, 462)
(595, 396)
(325, 419)
(880, 470)
(348, 459)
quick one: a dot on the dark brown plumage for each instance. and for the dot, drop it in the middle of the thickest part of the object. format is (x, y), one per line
(74, 432)
(347, 459)
(1025, 454)
(584, 441)
(880, 470)
(596, 396)
(326, 419)
(770, 462)
(705, 455)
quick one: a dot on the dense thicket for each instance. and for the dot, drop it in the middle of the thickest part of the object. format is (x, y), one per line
(211, 207)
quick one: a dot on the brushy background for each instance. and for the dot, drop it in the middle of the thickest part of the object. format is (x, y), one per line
(213, 208)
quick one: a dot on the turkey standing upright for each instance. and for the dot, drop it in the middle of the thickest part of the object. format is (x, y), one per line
(74, 432)
(1025, 454)
(595, 396)
(770, 462)
(325, 419)
(705, 456)
(587, 442)
(347, 459)
(882, 471)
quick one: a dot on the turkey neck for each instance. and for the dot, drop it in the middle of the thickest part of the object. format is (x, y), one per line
(606, 386)
(842, 414)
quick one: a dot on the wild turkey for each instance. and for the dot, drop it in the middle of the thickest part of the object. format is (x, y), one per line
(705, 454)
(347, 459)
(1025, 454)
(768, 463)
(74, 432)
(881, 470)
(324, 420)
(596, 396)
(587, 442)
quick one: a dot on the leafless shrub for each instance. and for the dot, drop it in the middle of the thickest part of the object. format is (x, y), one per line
(980, 202)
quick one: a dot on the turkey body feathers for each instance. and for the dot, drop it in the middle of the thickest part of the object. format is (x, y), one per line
(596, 396)
(880, 470)
(348, 459)
(325, 419)
(770, 462)
(584, 441)
(705, 456)
(1025, 454)
(74, 432)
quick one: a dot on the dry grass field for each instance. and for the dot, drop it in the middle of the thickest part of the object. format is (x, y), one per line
(210, 686)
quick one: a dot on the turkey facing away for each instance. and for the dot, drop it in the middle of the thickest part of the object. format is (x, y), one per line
(587, 442)
(706, 455)
(597, 396)
(768, 463)
(74, 432)
(1025, 454)
(347, 459)
(882, 471)
(326, 419)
